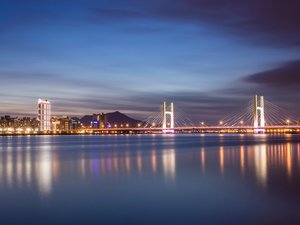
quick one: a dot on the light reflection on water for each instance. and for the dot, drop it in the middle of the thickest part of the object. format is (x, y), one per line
(43, 166)
(222, 159)
(202, 158)
(260, 161)
(242, 159)
(169, 163)
(195, 174)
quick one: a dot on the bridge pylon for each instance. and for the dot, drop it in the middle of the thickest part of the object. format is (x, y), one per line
(168, 127)
(259, 115)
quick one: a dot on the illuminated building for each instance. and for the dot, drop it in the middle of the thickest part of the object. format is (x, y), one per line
(95, 123)
(98, 120)
(75, 123)
(55, 123)
(44, 115)
(65, 123)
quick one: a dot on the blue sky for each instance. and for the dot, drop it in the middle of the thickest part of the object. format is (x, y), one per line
(93, 56)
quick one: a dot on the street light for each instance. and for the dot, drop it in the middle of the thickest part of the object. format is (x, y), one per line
(221, 122)
(288, 122)
(202, 123)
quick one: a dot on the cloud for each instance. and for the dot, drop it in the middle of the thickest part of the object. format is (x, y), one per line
(197, 106)
(210, 106)
(49, 81)
(194, 106)
(285, 76)
(279, 85)
(116, 13)
(270, 21)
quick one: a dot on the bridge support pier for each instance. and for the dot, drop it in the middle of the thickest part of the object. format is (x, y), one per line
(259, 115)
(168, 128)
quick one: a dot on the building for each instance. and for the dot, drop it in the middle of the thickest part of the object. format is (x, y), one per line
(65, 123)
(98, 120)
(44, 115)
(95, 123)
(75, 123)
(55, 123)
(18, 123)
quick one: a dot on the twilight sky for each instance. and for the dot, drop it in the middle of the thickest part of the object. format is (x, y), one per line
(208, 56)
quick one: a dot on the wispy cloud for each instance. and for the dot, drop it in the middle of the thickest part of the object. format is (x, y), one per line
(285, 77)
(132, 69)
(271, 22)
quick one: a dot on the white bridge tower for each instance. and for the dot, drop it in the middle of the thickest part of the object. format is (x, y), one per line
(168, 127)
(259, 115)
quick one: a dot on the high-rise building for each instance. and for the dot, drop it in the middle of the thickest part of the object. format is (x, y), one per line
(44, 115)
(55, 123)
(65, 123)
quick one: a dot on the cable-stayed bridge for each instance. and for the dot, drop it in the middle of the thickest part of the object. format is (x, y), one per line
(256, 116)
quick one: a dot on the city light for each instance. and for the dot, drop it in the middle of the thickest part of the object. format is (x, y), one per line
(44, 115)
(99, 125)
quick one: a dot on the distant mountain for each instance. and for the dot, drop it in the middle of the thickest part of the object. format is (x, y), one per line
(86, 120)
(112, 118)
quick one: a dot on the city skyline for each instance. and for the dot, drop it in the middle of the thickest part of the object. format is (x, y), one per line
(107, 56)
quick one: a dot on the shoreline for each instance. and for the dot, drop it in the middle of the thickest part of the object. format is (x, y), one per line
(139, 133)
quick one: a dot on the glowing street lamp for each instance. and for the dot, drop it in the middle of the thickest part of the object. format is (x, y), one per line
(241, 122)
(288, 122)
(221, 122)
(202, 123)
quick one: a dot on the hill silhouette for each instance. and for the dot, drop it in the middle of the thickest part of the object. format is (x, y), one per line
(112, 118)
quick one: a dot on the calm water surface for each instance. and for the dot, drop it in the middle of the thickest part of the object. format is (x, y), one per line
(150, 179)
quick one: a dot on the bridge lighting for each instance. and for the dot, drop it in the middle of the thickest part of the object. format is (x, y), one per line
(153, 124)
(127, 125)
(115, 125)
(202, 123)
(221, 122)
(241, 122)
(139, 125)
(259, 115)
